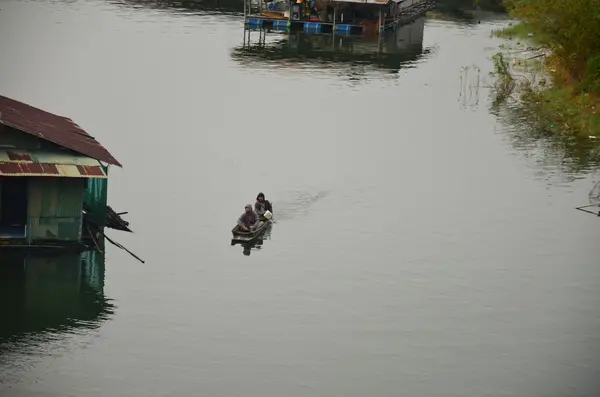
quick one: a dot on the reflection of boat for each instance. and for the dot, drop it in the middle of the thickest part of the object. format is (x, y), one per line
(392, 51)
(58, 293)
(256, 244)
(242, 236)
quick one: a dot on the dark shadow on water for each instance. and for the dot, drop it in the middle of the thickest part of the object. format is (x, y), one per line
(185, 6)
(400, 49)
(468, 12)
(42, 297)
(465, 11)
(256, 244)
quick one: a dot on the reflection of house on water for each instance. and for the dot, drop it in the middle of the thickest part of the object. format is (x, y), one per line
(56, 294)
(392, 51)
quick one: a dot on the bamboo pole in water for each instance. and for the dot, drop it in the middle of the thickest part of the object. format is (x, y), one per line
(122, 247)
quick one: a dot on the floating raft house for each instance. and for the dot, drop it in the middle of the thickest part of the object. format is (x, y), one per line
(53, 181)
(340, 17)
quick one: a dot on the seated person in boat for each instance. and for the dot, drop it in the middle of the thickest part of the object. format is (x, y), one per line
(262, 205)
(249, 220)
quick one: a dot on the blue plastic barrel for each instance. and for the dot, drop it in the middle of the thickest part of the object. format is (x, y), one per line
(280, 25)
(255, 23)
(312, 27)
(343, 29)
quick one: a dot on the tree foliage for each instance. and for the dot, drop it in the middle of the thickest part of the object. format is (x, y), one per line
(571, 29)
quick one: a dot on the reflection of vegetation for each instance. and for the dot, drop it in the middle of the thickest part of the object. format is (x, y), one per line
(221, 6)
(462, 10)
(514, 102)
(466, 11)
(527, 132)
(488, 5)
(594, 195)
(57, 294)
(522, 125)
(570, 32)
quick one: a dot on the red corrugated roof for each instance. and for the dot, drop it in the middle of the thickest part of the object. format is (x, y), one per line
(50, 127)
(48, 169)
(47, 163)
(28, 169)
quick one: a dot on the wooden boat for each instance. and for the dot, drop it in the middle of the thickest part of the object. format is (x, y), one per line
(242, 236)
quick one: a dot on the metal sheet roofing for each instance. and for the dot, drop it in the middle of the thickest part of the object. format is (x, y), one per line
(50, 127)
(21, 163)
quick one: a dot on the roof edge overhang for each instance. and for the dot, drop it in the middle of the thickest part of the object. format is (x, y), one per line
(33, 175)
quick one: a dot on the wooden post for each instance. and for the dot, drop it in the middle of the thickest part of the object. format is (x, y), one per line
(289, 25)
(333, 31)
(380, 20)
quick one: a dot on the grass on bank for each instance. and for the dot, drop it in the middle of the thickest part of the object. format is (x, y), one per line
(565, 111)
(565, 106)
(514, 30)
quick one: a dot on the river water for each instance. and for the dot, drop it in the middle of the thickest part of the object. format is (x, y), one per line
(425, 243)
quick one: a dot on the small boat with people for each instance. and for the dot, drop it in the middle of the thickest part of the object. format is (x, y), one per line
(240, 235)
(254, 221)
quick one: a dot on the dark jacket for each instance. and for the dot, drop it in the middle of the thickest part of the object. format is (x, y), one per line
(263, 207)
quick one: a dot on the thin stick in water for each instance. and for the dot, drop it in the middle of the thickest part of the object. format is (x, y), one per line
(122, 247)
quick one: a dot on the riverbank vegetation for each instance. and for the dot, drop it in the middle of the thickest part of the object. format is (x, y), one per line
(554, 63)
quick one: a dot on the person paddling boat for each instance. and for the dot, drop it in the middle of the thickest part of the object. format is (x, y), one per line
(262, 205)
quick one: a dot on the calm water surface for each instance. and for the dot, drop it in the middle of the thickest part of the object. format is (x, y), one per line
(424, 245)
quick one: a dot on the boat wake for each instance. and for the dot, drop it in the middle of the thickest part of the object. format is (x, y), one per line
(297, 206)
